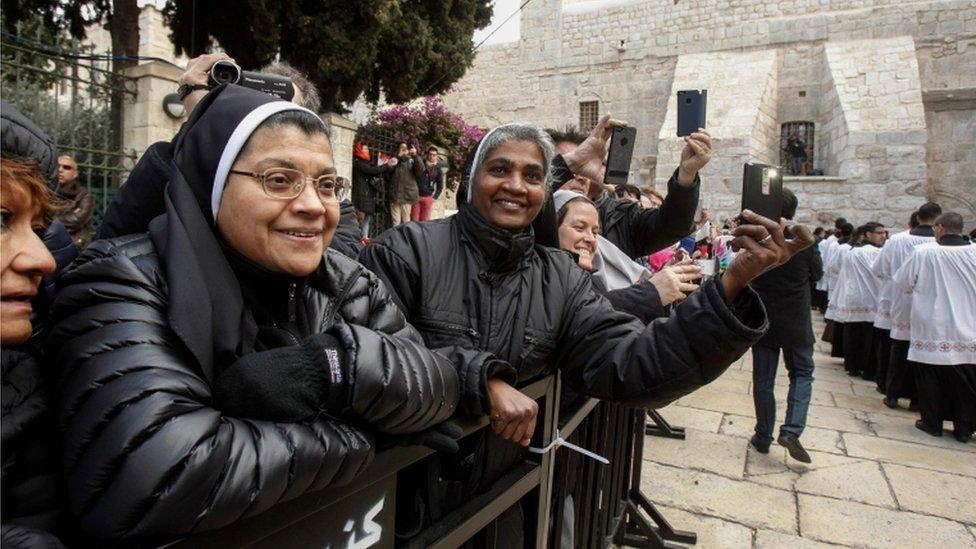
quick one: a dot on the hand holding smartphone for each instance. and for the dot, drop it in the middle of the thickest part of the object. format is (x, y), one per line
(762, 190)
(691, 111)
(621, 153)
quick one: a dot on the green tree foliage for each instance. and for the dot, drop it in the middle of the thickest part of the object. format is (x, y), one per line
(56, 15)
(400, 48)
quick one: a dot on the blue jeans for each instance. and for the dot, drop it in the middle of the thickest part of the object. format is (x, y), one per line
(799, 365)
(797, 164)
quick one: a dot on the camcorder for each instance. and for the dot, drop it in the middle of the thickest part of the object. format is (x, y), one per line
(227, 72)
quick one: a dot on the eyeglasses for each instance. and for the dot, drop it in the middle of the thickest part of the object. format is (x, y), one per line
(286, 184)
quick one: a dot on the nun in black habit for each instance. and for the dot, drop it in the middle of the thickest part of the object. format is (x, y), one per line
(228, 361)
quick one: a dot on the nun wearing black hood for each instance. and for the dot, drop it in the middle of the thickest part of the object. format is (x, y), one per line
(227, 361)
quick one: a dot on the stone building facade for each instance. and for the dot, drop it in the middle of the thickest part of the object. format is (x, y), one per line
(889, 87)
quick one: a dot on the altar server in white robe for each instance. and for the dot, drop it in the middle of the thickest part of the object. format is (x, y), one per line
(882, 316)
(826, 246)
(899, 379)
(831, 271)
(941, 278)
(856, 299)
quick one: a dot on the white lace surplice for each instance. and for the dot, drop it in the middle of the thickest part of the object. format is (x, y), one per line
(856, 294)
(941, 282)
(826, 246)
(831, 273)
(893, 255)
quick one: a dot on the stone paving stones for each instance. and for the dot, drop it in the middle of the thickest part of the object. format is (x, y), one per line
(692, 418)
(767, 539)
(933, 493)
(859, 481)
(849, 523)
(900, 426)
(720, 454)
(875, 480)
(906, 453)
(709, 494)
(707, 399)
(712, 532)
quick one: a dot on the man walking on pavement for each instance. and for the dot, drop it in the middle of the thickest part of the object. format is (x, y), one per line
(785, 291)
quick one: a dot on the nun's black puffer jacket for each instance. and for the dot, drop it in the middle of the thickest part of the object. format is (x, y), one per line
(467, 284)
(463, 282)
(146, 448)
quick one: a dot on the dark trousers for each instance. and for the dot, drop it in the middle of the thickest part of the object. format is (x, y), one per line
(799, 365)
(837, 343)
(947, 393)
(882, 354)
(901, 379)
(858, 345)
(819, 299)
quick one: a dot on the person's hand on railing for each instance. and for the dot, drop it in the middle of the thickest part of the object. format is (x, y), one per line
(513, 414)
(442, 437)
(762, 245)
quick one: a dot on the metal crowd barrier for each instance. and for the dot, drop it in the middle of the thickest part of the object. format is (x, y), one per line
(570, 500)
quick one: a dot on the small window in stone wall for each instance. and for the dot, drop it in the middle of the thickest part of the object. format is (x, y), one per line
(796, 147)
(589, 115)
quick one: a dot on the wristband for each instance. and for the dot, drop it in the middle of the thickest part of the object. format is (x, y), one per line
(186, 89)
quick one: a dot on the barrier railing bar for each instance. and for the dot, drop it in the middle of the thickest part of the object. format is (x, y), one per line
(572, 423)
(547, 464)
(487, 507)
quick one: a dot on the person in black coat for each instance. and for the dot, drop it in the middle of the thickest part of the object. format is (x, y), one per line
(636, 231)
(226, 361)
(785, 291)
(478, 281)
(31, 504)
(367, 181)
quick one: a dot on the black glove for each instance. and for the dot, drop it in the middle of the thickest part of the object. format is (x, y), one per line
(442, 437)
(286, 384)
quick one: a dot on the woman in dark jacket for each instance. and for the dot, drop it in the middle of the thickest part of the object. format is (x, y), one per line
(367, 180)
(31, 480)
(477, 280)
(217, 365)
(629, 287)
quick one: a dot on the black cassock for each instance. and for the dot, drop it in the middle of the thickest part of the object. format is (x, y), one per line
(947, 393)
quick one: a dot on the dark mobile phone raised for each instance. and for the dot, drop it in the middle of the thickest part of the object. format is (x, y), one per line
(762, 189)
(621, 152)
(691, 111)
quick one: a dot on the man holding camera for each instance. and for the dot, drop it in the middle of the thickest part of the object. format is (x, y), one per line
(140, 199)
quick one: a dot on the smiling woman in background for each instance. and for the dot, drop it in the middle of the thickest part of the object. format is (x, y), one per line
(477, 282)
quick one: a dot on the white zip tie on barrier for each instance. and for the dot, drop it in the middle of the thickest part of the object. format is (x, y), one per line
(560, 441)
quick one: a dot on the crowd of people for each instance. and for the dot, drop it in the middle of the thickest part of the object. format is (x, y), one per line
(228, 341)
(900, 312)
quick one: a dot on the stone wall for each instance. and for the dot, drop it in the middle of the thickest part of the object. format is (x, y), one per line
(343, 137)
(740, 118)
(951, 158)
(626, 55)
(143, 120)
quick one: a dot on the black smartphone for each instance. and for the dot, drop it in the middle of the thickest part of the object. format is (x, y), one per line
(621, 152)
(762, 189)
(691, 111)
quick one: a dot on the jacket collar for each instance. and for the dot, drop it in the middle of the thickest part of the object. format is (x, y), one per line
(922, 230)
(953, 240)
(501, 248)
